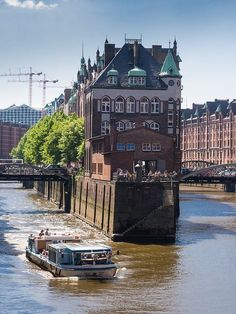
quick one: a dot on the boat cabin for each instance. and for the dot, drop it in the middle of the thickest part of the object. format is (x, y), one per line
(38, 244)
(79, 254)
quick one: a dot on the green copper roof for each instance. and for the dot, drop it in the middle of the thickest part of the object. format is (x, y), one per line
(205, 107)
(72, 99)
(112, 72)
(196, 114)
(218, 109)
(137, 72)
(169, 67)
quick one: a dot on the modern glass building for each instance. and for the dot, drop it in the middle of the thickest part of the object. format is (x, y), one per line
(20, 114)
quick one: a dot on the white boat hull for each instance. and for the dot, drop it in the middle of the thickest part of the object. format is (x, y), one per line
(101, 271)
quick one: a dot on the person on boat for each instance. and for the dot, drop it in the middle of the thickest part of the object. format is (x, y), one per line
(41, 233)
(47, 232)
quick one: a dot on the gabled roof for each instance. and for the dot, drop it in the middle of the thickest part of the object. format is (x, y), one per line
(210, 107)
(169, 67)
(124, 62)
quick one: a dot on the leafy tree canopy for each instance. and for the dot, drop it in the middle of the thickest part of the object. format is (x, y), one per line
(54, 139)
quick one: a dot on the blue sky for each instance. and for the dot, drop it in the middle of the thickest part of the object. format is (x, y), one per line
(48, 36)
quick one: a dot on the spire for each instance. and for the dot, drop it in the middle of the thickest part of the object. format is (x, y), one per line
(106, 41)
(169, 67)
(82, 59)
(175, 47)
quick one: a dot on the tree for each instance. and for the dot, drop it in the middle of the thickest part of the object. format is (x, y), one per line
(71, 139)
(53, 140)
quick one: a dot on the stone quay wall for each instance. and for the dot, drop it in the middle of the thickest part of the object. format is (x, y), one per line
(124, 211)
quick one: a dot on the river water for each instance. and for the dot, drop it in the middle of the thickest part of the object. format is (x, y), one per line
(197, 274)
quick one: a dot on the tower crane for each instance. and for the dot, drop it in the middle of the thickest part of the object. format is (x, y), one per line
(44, 81)
(30, 74)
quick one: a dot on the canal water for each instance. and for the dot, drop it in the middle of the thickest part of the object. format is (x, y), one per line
(197, 274)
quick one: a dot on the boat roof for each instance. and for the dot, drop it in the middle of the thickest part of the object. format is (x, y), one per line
(83, 247)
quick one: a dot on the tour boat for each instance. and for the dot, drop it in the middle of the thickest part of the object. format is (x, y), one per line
(66, 256)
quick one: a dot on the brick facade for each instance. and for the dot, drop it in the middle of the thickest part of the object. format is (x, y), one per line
(131, 100)
(10, 135)
(209, 132)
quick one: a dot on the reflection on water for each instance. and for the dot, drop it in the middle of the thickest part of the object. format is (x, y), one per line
(195, 275)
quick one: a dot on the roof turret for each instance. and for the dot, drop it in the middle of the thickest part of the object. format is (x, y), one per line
(169, 67)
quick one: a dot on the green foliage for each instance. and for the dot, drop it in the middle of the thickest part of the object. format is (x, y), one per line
(53, 140)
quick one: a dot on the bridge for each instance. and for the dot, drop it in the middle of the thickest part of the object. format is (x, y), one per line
(217, 174)
(196, 164)
(25, 172)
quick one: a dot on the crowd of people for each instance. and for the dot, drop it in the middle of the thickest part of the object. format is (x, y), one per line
(151, 176)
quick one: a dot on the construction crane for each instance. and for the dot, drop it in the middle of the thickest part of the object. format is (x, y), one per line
(44, 81)
(30, 74)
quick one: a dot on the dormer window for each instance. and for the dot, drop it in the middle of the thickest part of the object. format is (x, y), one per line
(112, 80)
(137, 77)
(112, 76)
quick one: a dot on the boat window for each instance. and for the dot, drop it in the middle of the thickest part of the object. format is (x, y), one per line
(77, 259)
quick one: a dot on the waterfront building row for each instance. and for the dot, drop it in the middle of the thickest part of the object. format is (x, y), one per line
(208, 132)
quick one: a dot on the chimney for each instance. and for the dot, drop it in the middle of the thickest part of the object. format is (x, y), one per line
(109, 52)
(136, 53)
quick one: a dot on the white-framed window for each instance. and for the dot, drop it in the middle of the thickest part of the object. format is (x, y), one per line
(105, 127)
(144, 104)
(129, 125)
(154, 126)
(146, 147)
(130, 147)
(120, 126)
(170, 118)
(120, 146)
(105, 104)
(137, 80)
(156, 147)
(146, 124)
(130, 105)
(119, 104)
(112, 80)
(155, 105)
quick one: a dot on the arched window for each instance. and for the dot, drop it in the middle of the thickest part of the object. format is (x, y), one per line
(130, 105)
(151, 124)
(154, 126)
(120, 126)
(146, 124)
(105, 127)
(105, 104)
(129, 125)
(144, 105)
(119, 104)
(171, 101)
(155, 105)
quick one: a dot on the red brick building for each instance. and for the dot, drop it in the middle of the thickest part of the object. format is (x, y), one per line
(131, 102)
(10, 135)
(208, 132)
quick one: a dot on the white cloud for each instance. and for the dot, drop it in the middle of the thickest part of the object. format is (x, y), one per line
(29, 4)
